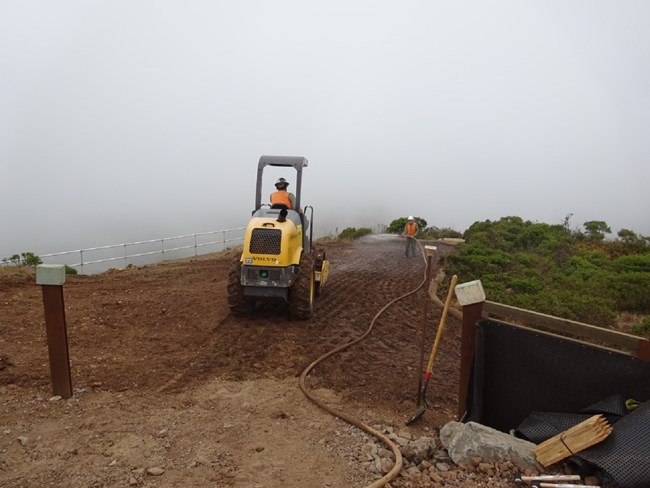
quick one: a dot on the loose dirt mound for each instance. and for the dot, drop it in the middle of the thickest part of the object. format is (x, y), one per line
(165, 377)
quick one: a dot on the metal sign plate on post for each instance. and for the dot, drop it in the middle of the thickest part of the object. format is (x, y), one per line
(430, 250)
(51, 278)
(470, 293)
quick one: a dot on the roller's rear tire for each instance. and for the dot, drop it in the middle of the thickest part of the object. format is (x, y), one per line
(301, 296)
(237, 302)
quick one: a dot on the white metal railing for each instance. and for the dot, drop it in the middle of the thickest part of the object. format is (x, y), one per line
(134, 251)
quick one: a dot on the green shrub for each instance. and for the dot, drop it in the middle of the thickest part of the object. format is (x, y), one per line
(449, 232)
(354, 233)
(479, 260)
(643, 327)
(631, 291)
(31, 259)
(553, 270)
(633, 262)
(629, 242)
(363, 231)
(23, 259)
(397, 225)
(596, 230)
(574, 305)
(436, 233)
(523, 285)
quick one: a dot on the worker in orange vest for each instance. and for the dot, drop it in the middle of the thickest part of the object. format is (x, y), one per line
(282, 196)
(410, 231)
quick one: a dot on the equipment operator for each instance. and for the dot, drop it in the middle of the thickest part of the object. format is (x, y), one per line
(281, 196)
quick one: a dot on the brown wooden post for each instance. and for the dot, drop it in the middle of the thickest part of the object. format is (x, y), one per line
(52, 277)
(471, 315)
(429, 250)
(643, 351)
(471, 296)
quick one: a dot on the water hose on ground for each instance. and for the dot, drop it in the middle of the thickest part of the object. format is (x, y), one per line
(392, 474)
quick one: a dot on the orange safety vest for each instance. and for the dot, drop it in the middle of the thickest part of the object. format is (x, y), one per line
(411, 228)
(281, 196)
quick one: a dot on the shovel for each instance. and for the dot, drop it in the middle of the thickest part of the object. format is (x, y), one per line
(422, 401)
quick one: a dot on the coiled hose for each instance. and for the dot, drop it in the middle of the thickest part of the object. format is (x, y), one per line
(392, 474)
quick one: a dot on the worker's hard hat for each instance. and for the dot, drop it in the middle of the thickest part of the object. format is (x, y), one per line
(411, 217)
(281, 183)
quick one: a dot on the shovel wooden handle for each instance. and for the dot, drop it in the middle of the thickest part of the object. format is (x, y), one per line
(443, 318)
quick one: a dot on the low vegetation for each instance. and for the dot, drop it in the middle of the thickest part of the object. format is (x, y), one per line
(576, 274)
(397, 227)
(643, 327)
(31, 260)
(22, 259)
(354, 233)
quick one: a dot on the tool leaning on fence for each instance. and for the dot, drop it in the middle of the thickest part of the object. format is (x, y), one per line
(422, 401)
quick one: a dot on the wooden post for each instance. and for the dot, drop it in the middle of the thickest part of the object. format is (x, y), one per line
(429, 250)
(52, 277)
(643, 351)
(471, 315)
(471, 296)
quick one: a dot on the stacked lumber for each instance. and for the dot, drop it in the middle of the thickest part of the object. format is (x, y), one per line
(579, 437)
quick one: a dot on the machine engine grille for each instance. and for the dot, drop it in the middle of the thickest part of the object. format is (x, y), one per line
(265, 241)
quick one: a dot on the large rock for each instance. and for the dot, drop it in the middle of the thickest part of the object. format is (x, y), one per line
(466, 441)
(419, 450)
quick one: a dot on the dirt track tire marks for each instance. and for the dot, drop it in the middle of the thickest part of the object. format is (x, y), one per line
(383, 369)
(364, 276)
(174, 320)
(376, 274)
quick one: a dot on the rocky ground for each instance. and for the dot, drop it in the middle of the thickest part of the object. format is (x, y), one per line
(170, 389)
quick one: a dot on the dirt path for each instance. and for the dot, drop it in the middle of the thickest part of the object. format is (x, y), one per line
(166, 378)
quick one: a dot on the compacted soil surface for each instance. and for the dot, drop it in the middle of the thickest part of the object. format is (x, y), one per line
(171, 389)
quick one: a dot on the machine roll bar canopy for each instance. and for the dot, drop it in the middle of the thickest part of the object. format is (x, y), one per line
(296, 162)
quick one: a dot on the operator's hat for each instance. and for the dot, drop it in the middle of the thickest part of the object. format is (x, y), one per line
(281, 183)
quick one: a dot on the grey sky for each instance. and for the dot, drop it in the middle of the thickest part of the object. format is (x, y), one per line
(131, 120)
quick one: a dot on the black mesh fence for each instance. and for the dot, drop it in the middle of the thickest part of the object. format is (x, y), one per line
(518, 371)
(540, 385)
(624, 457)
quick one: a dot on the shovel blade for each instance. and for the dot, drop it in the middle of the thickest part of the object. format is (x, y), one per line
(418, 413)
